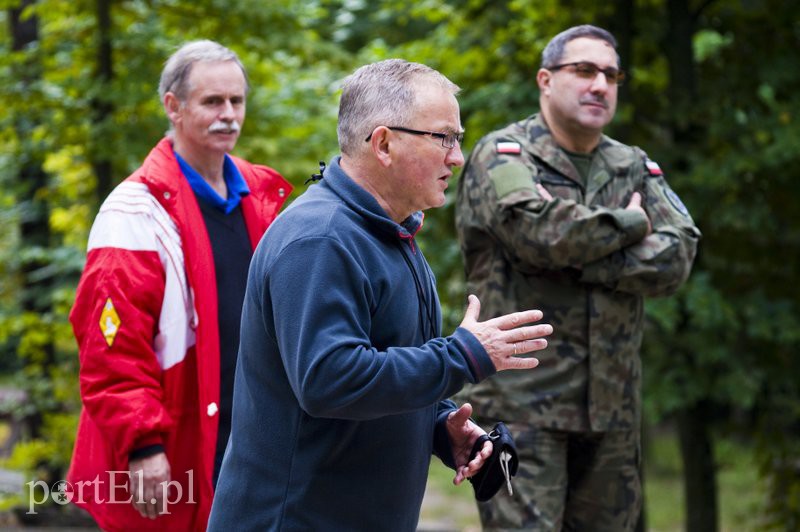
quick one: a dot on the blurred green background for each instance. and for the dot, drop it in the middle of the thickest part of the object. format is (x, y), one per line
(712, 95)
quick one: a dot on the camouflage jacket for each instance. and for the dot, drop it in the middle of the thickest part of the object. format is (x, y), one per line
(582, 258)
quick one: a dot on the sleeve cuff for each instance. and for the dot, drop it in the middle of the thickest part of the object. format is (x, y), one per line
(144, 452)
(147, 445)
(441, 439)
(476, 356)
(634, 224)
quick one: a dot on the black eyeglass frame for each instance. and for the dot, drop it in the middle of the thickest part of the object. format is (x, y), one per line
(456, 137)
(613, 75)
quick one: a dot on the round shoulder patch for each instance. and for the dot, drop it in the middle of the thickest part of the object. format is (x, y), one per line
(676, 202)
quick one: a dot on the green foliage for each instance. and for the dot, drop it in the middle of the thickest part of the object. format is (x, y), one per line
(726, 134)
(742, 497)
(40, 456)
(709, 45)
(700, 366)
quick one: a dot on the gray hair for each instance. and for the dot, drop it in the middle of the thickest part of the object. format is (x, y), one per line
(175, 76)
(554, 51)
(381, 94)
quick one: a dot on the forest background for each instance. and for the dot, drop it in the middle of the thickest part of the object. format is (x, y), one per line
(712, 95)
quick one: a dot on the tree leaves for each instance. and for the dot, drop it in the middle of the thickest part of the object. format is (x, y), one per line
(730, 150)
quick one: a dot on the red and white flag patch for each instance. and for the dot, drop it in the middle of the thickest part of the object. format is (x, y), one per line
(653, 167)
(508, 147)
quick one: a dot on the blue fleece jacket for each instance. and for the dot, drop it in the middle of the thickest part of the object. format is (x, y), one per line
(342, 380)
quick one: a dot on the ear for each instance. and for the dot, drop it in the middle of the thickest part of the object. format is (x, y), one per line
(172, 106)
(381, 145)
(543, 79)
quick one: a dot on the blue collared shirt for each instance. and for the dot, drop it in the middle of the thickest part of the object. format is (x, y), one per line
(237, 187)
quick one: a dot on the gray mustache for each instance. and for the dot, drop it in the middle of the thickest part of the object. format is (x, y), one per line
(224, 126)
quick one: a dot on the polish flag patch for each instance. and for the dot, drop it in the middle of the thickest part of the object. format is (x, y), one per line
(653, 167)
(509, 147)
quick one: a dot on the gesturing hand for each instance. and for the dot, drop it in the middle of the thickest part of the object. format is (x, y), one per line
(505, 337)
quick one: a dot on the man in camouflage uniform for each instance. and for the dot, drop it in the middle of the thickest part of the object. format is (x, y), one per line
(555, 215)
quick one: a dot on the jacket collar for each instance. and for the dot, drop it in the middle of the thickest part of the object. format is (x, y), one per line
(365, 204)
(160, 167)
(541, 144)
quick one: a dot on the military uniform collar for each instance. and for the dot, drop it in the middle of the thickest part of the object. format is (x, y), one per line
(617, 157)
(543, 146)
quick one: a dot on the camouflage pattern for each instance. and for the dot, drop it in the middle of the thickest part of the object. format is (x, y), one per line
(582, 258)
(606, 498)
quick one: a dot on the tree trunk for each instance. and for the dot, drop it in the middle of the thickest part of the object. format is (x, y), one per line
(682, 89)
(699, 472)
(680, 54)
(102, 107)
(693, 421)
(31, 179)
(621, 25)
(35, 292)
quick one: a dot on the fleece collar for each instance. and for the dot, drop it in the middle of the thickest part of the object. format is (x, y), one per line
(367, 206)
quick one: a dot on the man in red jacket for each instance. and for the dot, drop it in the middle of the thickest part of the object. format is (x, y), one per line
(157, 309)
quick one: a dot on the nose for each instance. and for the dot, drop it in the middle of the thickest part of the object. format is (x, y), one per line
(226, 111)
(600, 82)
(454, 156)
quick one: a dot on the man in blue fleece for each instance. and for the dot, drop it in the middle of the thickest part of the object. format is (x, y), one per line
(341, 385)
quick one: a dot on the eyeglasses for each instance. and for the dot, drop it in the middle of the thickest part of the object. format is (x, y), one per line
(589, 70)
(448, 139)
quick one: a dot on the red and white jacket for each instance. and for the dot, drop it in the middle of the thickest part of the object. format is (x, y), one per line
(145, 318)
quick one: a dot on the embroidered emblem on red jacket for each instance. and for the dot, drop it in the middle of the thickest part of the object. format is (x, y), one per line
(109, 322)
